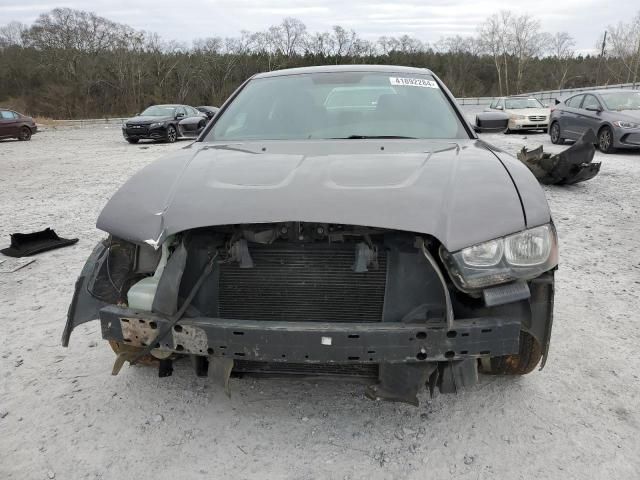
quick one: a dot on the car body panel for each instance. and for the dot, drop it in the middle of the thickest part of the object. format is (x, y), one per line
(457, 191)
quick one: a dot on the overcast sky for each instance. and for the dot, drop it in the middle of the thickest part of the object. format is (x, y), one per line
(427, 20)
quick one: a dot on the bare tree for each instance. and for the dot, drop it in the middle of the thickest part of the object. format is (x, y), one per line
(493, 39)
(526, 41)
(12, 34)
(624, 45)
(561, 49)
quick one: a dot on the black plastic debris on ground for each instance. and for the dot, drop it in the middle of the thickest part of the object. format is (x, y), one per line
(568, 167)
(26, 244)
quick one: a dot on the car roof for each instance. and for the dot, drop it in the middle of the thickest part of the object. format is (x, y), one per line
(344, 68)
(603, 90)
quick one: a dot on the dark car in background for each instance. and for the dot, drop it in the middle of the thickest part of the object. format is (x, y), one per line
(613, 115)
(209, 111)
(162, 122)
(377, 238)
(16, 125)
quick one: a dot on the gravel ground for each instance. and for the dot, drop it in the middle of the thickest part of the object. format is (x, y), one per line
(63, 415)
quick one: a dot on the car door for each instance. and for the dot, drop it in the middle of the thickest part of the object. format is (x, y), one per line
(8, 123)
(568, 117)
(589, 115)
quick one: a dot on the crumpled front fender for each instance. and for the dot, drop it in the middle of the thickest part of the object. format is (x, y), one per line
(84, 306)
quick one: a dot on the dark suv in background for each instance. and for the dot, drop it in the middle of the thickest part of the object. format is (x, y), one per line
(613, 115)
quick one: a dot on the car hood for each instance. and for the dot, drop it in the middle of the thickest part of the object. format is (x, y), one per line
(529, 111)
(460, 192)
(144, 119)
(631, 115)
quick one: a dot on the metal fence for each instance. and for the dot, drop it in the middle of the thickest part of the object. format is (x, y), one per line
(548, 94)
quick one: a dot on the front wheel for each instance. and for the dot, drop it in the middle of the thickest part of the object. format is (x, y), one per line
(555, 135)
(25, 134)
(528, 356)
(172, 134)
(605, 140)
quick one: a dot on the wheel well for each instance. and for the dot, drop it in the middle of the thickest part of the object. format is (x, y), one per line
(606, 125)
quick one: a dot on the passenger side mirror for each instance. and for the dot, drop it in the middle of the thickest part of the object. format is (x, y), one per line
(499, 107)
(545, 105)
(179, 115)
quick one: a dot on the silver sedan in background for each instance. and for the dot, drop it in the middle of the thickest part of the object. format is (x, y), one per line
(613, 115)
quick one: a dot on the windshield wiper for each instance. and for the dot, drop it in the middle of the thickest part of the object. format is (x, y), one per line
(361, 137)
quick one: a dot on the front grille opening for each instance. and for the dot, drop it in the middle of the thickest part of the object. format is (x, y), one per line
(306, 283)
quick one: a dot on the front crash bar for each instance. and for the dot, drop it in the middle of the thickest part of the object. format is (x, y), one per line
(309, 342)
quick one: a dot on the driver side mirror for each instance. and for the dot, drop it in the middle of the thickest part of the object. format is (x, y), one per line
(499, 107)
(179, 115)
(545, 105)
(593, 109)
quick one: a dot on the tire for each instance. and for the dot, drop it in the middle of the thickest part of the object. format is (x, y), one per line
(523, 362)
(605, 140)
(555, 134)
(133, 140)
(172, 134)
(25, 134)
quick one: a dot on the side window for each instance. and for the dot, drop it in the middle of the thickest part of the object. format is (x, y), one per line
(591, 102)
(7, 115)
(494, 103)
(191, 112)
(500, 104)
(180, 110)
(574, 102)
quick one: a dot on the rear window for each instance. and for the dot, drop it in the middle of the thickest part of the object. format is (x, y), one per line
(339, 105)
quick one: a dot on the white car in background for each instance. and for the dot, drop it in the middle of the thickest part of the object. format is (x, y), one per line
(524, 113)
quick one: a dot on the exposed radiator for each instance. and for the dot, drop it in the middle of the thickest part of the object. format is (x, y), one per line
(306, 282)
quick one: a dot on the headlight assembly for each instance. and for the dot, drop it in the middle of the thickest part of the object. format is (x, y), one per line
(156, 125)
(517, 117)
(521, 256)
(623, 124)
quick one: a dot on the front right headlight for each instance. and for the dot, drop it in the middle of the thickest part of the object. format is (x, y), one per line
(623, 124)
(517, 117)
(521, 256)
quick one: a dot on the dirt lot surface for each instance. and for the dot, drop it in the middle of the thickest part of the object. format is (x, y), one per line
(63, 416)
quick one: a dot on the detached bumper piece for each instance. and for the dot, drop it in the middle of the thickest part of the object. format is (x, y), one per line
(405, 356)
(26, 244)
(571, 166)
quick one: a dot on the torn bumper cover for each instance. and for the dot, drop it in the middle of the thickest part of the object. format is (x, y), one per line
(568, 167)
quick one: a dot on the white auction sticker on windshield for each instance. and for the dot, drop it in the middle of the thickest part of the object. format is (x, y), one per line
(413, 82)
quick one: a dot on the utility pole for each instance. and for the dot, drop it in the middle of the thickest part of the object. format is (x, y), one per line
(602, 52)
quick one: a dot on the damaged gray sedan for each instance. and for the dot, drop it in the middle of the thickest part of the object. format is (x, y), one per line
(374, 236)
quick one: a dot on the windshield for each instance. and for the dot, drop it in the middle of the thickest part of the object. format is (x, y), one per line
(518, 103)
(622, 100)
(159, 111)
(339, 105)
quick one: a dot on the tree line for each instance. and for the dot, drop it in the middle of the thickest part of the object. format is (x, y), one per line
(76, 64)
